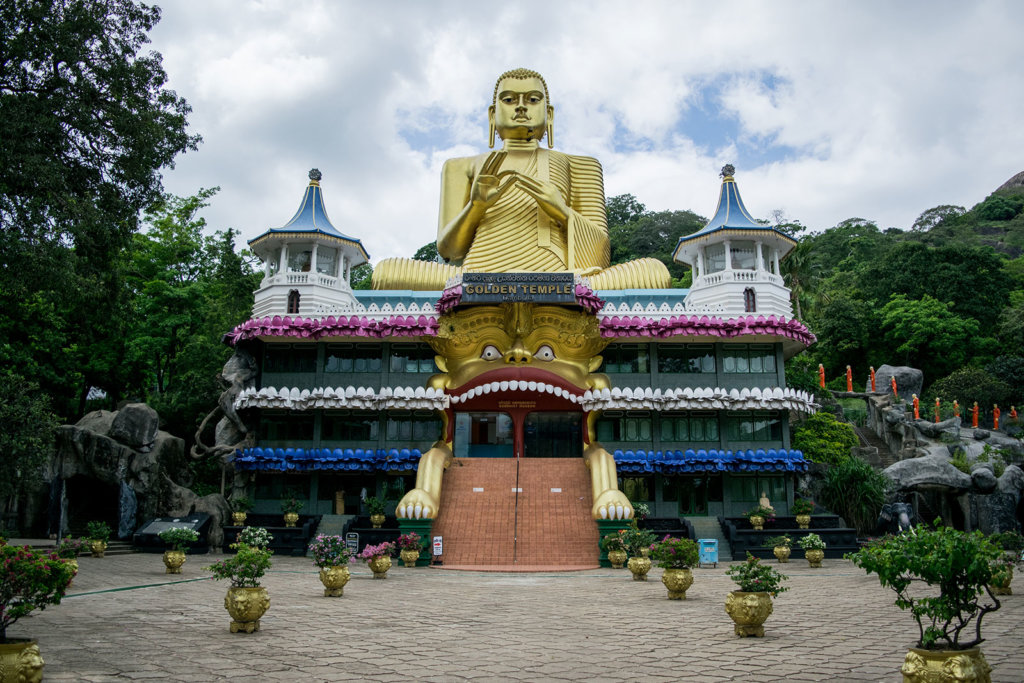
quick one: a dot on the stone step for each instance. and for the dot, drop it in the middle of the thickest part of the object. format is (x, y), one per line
(500, 512)
(710, 527)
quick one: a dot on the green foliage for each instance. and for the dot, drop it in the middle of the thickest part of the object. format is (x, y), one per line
(802, 506)
(753, 577)
(410, 541)
(636, 233)
(69, 548)
(1009, 541)
(968, 385)
(777, 542)
(823, 438)
(26, 439)
(958, 564)
(1009, 369)
(375, 505)
(636, 540)
(255, 536)
(760, 511)
(811, 542)
(245, 568)
(926, 332)
(959, 461)
(179, 537)
(998, 207)
(98, 531)
(675, 553)
(29, 580)
(241, 504)
(936, 216)
(855, 491)
(428, 252)
(291, 503)
(330, 551)
(362, 277)
(613, 542)
(624, 208)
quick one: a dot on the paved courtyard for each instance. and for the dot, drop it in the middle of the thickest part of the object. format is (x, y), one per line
(124, 619)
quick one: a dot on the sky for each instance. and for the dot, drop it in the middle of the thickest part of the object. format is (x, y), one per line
(828, 110)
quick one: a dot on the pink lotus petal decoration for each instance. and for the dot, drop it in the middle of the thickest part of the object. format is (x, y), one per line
(342, 326)
(635, 326)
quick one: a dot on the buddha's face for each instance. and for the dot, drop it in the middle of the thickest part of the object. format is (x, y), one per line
(521, 111)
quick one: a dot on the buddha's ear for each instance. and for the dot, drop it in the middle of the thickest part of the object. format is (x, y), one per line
(490, 127)
(551, 127)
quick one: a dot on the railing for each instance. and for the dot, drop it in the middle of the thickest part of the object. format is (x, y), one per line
(304, 279)
(744, 276)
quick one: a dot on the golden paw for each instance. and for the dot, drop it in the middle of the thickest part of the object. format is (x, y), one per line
(612, 504)
(417, 504)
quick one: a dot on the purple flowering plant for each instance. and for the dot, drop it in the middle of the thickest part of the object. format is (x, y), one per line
(372, 552)
(330, 551)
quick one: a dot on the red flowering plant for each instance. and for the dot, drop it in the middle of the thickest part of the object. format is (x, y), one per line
(410, 541)
(675, 553)
(29, 580)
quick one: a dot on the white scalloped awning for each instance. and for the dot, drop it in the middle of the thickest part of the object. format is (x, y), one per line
(700, 398)
(358, 398)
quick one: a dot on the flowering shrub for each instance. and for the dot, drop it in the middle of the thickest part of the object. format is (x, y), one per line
(811, 542)
(641, 511)
(178, 537)
(778, 542)
(753, 577)
(675, 553)
(613, 542)
(372, 552)
(330, 551)
(802, 506)
(70, 548)
(255, 536)
(98, 531)
(29, 580)
(760, 511)
(245, 568)
(636, 540)
(291, 503)
(410, 541)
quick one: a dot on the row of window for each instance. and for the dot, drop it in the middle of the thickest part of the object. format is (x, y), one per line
(350, 427)
(690, 359)
(695, 428)
(345, 358)
(693, 493)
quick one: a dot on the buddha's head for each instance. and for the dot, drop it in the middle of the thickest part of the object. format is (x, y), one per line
(521, 108)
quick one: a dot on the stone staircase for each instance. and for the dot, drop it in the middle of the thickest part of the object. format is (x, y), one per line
(115, 547)
(709, 527)
(869, 439)
(497, 513)
(330, 525)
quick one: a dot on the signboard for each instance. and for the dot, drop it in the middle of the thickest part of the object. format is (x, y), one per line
(437, 546)
(352, 542)
(541, 288)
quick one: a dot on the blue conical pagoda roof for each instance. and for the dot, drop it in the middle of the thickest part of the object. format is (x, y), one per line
(731, 219)
(311, 220)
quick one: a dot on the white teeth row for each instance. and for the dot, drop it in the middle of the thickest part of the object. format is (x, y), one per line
(700, 398)
(517, 385)
(342, 397)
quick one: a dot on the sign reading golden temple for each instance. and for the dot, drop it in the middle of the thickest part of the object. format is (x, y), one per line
(489, 288)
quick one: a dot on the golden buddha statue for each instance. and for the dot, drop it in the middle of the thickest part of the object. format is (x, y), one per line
(523, 208)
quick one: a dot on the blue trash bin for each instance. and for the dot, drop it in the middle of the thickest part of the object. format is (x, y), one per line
(708, 551)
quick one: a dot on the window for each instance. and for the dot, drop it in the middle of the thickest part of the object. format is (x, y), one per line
(748, 358)
(688, 359)
(353, 358)
(749, 300)
(325, 260)
(714, 258)
(300, 260)
(293, 302)
(289, 358)
(612, 428)
(743, 255)
(626, 358)
(412, 358)
(286, 427)
(754, 427)
(678, 430)
(348, 426)
(637, 489)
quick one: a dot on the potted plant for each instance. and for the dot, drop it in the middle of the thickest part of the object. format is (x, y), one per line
(246, 600)
(641, 511)
(751, 605)
(781, 547)
(813, 546)
(957, 564)
(410, 545)
(376, 506)
(638, 544)
(240, 507)
(1012, 543)
(332, 555)
(29, 580)
(178, 538)
(758, 516)
(802, 508)
(255, 536)
(290, 506)
(616, 549)
(98, 534)
(378, 558)
(68, 550)
(676, 556)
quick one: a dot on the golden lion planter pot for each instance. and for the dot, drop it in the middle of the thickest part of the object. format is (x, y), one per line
(173, 559)
(97, 548)
(409, 557)
(757, 521)
(946, 666)
(291, 518)
(377, 521)
(238, 518)
(677, 581)
(639, 566)
(1001, 580)
(803, 521)
(781, 553)
(246, 606)
(814, 557)
(20, 661)
(617, 558)
(379, 566)
(748, 611)
(334, 580)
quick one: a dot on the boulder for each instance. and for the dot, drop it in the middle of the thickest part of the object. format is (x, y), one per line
(909, 381)
(135, 425)
(928, 472)
(935, 430)
(183, 502)
(983, 478)
(98, 421)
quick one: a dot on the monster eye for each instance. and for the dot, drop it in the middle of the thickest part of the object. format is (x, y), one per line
(490, 352)
(544, 353)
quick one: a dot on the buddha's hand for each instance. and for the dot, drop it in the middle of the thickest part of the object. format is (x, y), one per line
(612, 504)
(489, 185)
(417, 504)
(549, 197)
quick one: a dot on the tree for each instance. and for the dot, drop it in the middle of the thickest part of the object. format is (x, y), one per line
(428, 252)
(937, 215)
(845, 326)
(624, 208)
(362, 277)
(85, 127)
(26, 439)
(800, 270)
(926, 332)
(968, 385)
(999, 207)
(654, 235)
